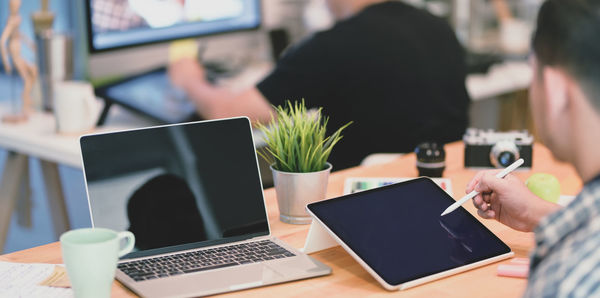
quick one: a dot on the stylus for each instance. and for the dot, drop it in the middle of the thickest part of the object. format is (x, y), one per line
(474, 193)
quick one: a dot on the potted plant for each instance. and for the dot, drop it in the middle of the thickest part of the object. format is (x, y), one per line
(297, 149)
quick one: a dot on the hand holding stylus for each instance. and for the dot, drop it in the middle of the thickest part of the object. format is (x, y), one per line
(508, 201)
(474, 193)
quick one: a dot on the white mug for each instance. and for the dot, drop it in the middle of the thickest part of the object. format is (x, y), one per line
(75, 107)
(91, 257)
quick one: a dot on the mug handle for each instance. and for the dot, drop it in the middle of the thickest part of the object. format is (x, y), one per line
(130, 242)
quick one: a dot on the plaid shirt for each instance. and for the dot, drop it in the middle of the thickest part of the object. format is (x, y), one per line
(566, 260)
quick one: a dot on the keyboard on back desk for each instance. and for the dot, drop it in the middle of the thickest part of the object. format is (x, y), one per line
(202, 260)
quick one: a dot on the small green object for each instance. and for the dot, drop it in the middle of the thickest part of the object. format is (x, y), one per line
(296, 140)
(90, 256)
(545, 186)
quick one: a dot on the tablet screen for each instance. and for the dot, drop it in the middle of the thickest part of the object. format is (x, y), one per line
(151, 94)
(398, 231)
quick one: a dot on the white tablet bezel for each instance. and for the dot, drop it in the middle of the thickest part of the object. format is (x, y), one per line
(414, 282)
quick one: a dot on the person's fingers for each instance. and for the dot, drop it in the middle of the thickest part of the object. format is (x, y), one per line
(481, 205)
(484, 207)
(486, 197)
(473, 182)
(477, 200)
(483, 214)
(174, 72)
(489, 214)
(489, 183)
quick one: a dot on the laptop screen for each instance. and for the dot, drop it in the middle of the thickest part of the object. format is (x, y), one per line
(176, 187)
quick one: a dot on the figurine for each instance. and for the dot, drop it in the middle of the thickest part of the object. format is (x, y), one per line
(26, 70)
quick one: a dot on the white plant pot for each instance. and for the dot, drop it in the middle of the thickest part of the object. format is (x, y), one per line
(296, 190)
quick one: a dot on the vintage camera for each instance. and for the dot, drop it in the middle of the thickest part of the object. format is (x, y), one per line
(491, 149)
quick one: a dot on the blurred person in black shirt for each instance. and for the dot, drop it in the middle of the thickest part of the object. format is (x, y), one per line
(397, 71)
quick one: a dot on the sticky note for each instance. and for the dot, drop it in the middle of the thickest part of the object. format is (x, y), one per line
(183, 49)
(513, 270)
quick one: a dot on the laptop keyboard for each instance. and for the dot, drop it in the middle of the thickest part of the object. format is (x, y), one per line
(203, 260)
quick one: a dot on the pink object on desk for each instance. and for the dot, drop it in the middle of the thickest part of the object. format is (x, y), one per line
(518, 267)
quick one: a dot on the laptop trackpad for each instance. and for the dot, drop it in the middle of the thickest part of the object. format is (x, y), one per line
(230, 279)
(252, 276)
(298, 266)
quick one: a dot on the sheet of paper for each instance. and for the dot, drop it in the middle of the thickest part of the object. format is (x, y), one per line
(356, 184)
(21, 280)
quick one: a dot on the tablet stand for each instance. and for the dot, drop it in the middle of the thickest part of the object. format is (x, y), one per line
(318, 239)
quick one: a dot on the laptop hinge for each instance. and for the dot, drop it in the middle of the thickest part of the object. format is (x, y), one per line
(261, 238)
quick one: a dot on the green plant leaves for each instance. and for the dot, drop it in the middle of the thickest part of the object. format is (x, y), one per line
(296, 139)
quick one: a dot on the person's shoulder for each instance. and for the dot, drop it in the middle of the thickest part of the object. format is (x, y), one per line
(318, 44)
(401, 19)
(397, 9)
(362, 23)
(577, 265)
(582, 272)
(571, 269)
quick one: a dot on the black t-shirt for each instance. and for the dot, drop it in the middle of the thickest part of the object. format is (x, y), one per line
(396, 71)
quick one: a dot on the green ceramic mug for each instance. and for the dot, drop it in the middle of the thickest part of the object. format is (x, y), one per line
(91, 256)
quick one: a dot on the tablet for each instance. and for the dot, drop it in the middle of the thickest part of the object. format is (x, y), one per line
(397, 234)
(151, 94)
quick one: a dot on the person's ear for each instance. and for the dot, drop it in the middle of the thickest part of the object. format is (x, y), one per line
(556, 90)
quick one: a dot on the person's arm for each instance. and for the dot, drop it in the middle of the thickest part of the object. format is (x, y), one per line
(502, 10)
(508, 201)
(216, 102)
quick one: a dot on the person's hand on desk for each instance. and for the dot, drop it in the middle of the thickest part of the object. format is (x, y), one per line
(188, 75)
(186, 72)
(216, 102)
(508, 201)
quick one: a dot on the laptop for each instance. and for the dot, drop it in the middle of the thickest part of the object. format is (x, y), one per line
(192, 195)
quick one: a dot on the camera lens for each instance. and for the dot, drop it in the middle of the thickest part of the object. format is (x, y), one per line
(503, 154)
(506, 158)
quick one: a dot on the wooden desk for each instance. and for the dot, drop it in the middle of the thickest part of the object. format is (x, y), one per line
(349, 278)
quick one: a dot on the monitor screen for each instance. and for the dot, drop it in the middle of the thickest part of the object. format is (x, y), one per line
(122, 23)
(176, 187)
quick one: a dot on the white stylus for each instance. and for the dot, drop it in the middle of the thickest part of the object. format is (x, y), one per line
(472, 194)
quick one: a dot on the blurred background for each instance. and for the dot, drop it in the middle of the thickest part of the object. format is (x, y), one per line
(496, 38)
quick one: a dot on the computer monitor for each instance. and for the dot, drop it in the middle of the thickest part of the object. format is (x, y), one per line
(117, 24)
(114, 24)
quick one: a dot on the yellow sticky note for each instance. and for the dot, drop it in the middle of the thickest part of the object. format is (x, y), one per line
(182, 49)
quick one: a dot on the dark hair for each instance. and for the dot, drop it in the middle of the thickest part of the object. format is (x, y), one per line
(568, 37)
